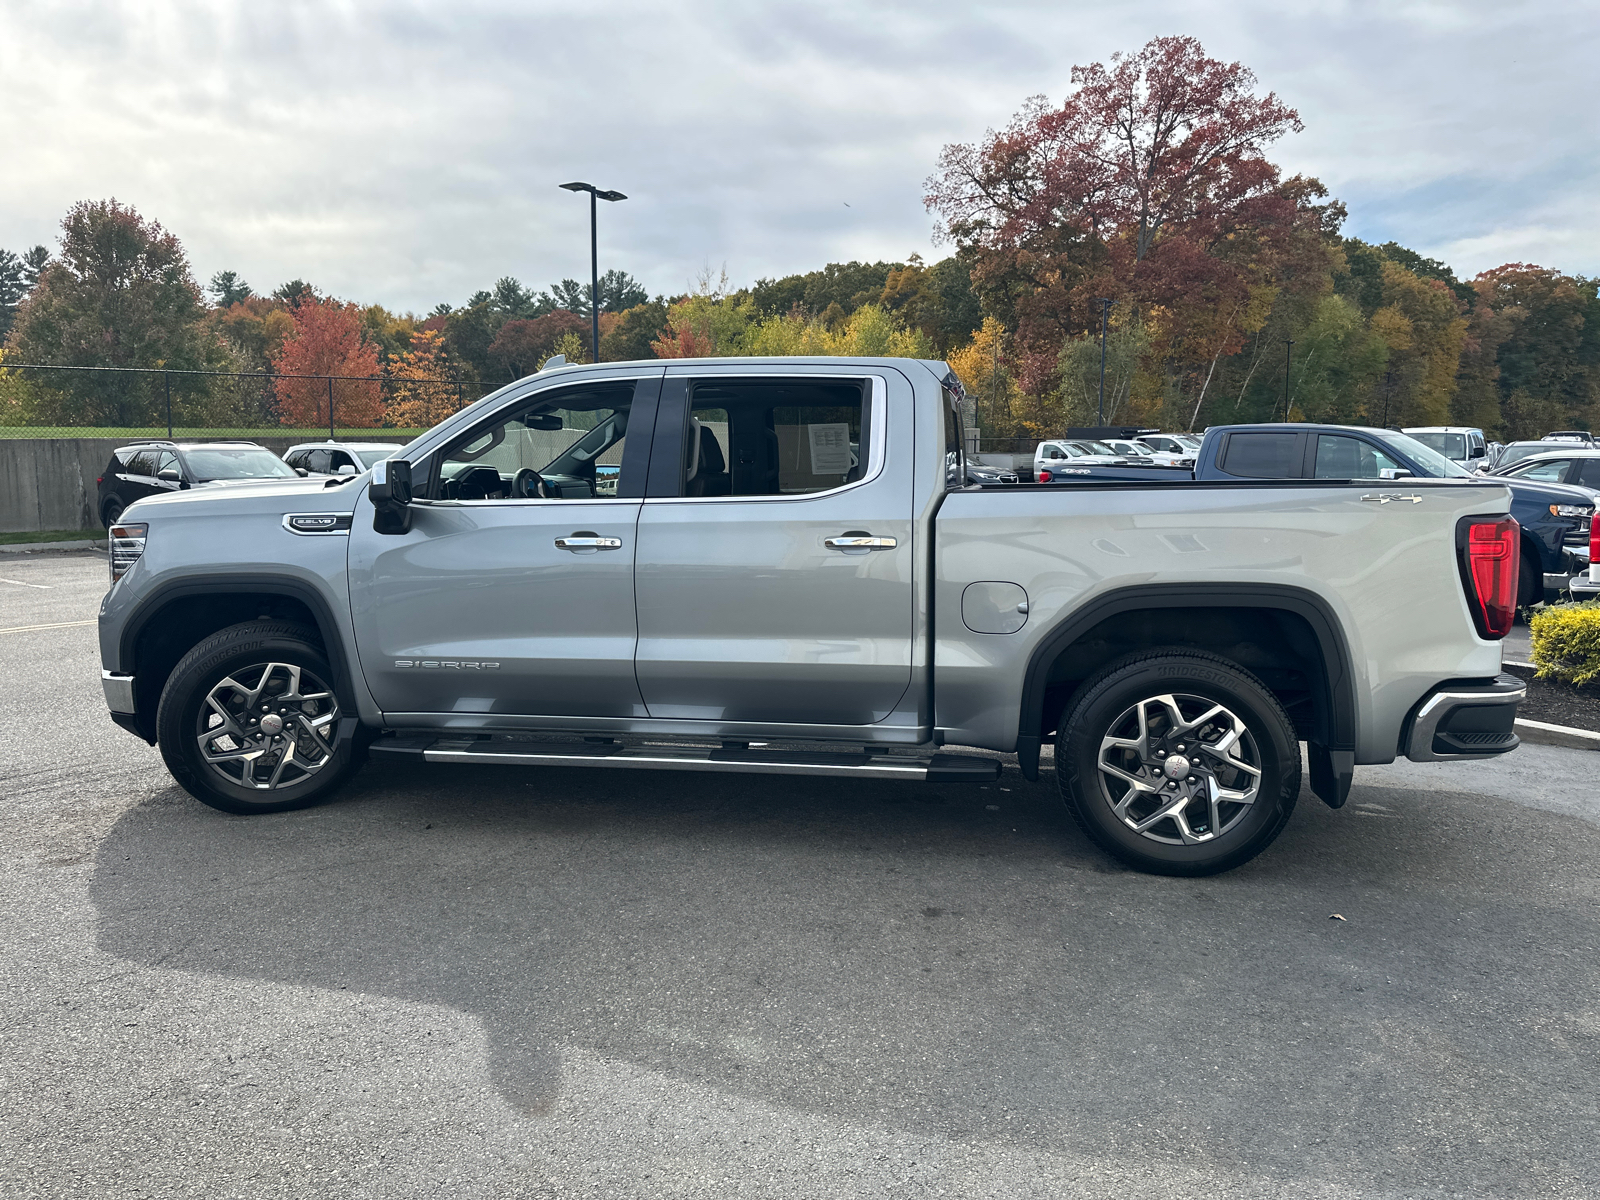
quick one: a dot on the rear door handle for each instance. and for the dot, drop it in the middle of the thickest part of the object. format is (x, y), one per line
(860, 542)
(588, 541)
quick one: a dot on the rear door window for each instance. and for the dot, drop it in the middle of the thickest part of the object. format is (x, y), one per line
(1264, 455)
(1350, 458)
(141, 462)
(776, 437)
(1589, 473)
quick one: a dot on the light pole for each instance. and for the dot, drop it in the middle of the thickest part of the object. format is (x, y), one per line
(1288, 351)
(1105, 312)
(594, 255)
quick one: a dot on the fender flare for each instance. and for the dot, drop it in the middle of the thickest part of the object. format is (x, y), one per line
(1338, 677)
(245, 584)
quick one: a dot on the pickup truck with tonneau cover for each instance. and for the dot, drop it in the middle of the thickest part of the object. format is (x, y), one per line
(780, 566)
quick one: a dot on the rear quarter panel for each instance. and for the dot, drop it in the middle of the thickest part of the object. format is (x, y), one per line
(1386, 571)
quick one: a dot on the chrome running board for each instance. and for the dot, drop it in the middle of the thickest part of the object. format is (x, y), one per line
(866, 764)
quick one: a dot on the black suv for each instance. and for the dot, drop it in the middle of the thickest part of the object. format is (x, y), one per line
(151, 468)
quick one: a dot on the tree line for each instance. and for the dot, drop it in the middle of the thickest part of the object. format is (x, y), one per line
(1146, 200)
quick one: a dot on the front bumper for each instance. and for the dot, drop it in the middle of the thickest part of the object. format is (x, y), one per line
(1466, 720)
(119, 692)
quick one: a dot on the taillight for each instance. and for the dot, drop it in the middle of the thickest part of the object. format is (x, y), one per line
(1044, 476)
(1594, 539)
(1491, 555)
(99, 479)
(127, 544)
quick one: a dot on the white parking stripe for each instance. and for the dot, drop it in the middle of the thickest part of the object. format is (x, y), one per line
(45, 587)
(57, 625)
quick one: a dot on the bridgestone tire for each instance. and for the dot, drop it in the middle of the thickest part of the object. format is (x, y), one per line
(221, 656)
(1101, 712)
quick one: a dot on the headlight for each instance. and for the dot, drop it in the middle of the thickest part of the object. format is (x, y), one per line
(127, 544)
(1571, 510)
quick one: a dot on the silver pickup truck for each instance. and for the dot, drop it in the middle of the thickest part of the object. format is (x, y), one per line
(778, 566)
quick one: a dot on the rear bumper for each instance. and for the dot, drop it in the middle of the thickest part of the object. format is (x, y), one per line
(1466, 720)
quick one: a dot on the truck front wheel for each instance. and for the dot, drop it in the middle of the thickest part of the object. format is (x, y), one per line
(1178, 762)
(249, 722)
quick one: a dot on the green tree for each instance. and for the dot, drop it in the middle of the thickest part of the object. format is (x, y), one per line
(635, 330)
(11, 291)
(849, 285)
(120, 295)
(228, 289)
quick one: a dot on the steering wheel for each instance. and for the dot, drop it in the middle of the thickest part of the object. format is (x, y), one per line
(528, 484)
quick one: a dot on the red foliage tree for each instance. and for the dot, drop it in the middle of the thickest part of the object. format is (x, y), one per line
(522, 345)
(1149, 184)
(327, 341)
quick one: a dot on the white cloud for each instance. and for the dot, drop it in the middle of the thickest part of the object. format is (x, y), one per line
(409, 153)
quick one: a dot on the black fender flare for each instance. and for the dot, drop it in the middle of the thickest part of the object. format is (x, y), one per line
(244, 584)
(1338, 678)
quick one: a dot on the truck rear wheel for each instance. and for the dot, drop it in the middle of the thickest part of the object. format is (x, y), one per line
(1178, 762)
(249, 722)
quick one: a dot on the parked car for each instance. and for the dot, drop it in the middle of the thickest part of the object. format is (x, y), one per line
(1576, 464)
(1056, 457)
(1177, 445)
(152, 468)
(1553, 517)
(983, 473)
(1464, 444)
(476, 600)
(338, 458)
(1515, 452)
(1139, 454)
(1571, 435)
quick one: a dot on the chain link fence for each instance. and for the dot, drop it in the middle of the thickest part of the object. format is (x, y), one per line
(44, 401)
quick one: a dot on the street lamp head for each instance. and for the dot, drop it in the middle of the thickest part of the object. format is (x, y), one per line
(578, 187)
(611, 195)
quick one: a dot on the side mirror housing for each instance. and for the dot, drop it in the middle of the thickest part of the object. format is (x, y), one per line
(1393, 473)
(390, 493)
(346, 471)
(170, 475)
(302, 472)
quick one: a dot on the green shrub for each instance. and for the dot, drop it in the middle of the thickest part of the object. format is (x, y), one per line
(1566, 642)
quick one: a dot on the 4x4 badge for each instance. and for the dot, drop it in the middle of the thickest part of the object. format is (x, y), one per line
(1387, 497)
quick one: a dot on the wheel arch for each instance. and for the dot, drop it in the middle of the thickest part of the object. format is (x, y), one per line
(174, 618)
(1319, 645)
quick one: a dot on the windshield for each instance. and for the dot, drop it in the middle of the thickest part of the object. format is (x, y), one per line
(368, 457)
(244, 463)
(1451, 445)
(1186, 440)
(1098, 447)
(1433, 464)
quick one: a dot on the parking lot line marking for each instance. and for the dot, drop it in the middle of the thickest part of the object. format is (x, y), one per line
(57, 625)
(44, 587)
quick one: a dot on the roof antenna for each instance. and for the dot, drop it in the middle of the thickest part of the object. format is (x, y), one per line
(555, 360)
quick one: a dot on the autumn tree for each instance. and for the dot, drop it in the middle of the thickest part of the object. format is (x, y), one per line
(522, 345)
(327, 341)
(421, 397)
(633, 332)
(1133, 188)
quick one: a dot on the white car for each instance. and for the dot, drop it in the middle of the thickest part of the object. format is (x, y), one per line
(337, 458)
(1051, 458)
(1464, 444)
(1171, 449)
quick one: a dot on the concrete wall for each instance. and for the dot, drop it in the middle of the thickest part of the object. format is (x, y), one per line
(49, 483)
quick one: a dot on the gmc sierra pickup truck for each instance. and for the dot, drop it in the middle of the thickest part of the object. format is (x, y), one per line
(779, 566)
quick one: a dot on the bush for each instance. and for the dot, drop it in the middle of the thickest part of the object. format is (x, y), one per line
(1566, 642)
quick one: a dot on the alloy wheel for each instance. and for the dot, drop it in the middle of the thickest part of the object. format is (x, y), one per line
(268, 726)
(1179, 769)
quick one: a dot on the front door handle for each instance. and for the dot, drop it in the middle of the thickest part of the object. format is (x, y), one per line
(588, 541)
(860, 541)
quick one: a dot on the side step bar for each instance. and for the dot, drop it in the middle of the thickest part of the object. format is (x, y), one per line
(931, 768)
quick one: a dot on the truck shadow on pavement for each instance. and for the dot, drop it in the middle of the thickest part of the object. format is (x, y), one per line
(909, 957)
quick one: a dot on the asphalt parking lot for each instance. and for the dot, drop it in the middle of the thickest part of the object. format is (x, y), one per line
(486, 982)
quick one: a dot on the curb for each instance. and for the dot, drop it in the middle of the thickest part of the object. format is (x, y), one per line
(1540, 733)
(83, 547)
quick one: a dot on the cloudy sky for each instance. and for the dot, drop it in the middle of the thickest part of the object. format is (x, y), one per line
(409, 153)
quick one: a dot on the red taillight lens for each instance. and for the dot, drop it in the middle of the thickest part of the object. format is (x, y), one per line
(1492, 559)
(99, 479)
(1594, 538)
(1044, 476)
